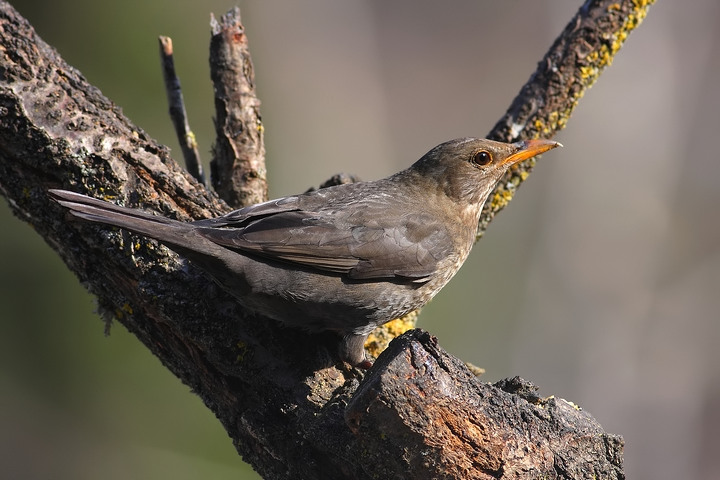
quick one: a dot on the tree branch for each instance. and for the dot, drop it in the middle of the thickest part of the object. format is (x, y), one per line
(574, 62)
(238, 166)
(178, 114)
(418, 413)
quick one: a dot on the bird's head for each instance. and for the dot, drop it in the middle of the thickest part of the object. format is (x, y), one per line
(467, 169)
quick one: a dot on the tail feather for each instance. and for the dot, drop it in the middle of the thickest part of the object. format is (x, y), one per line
(222, 264)
(166, 230)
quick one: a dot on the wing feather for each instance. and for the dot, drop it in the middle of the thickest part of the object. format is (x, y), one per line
(363, 243)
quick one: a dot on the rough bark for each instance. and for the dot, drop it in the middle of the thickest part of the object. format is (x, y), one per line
(238, 165)
(418, 413)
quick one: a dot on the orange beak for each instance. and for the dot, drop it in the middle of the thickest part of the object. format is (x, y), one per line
(528, 149)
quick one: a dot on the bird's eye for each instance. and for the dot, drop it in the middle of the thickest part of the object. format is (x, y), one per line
(481, 158)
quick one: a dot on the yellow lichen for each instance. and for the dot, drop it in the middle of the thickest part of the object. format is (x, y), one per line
(500, 199)
(593, 64)
(122, 311)
(381, 337)
(574, 405)
(190, 139)
(243, 349)
(603, 56)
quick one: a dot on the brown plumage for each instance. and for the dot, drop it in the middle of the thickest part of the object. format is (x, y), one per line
(345, 258)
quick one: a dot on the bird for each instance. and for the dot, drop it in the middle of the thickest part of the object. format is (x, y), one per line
(345, 258)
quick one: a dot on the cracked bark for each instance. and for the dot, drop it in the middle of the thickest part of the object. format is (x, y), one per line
(418, 413)
(238, 164)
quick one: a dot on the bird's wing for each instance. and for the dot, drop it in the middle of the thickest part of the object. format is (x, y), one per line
(242, 217)
(363, 244)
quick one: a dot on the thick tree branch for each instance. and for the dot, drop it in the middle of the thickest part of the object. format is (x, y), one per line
(238, 166)
(418, 413)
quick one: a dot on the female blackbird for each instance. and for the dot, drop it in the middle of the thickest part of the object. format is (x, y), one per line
(345, 258)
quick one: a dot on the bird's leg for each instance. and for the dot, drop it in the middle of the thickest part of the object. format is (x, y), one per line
(352, 350)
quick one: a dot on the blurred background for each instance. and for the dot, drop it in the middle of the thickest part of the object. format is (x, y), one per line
(600, 283)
